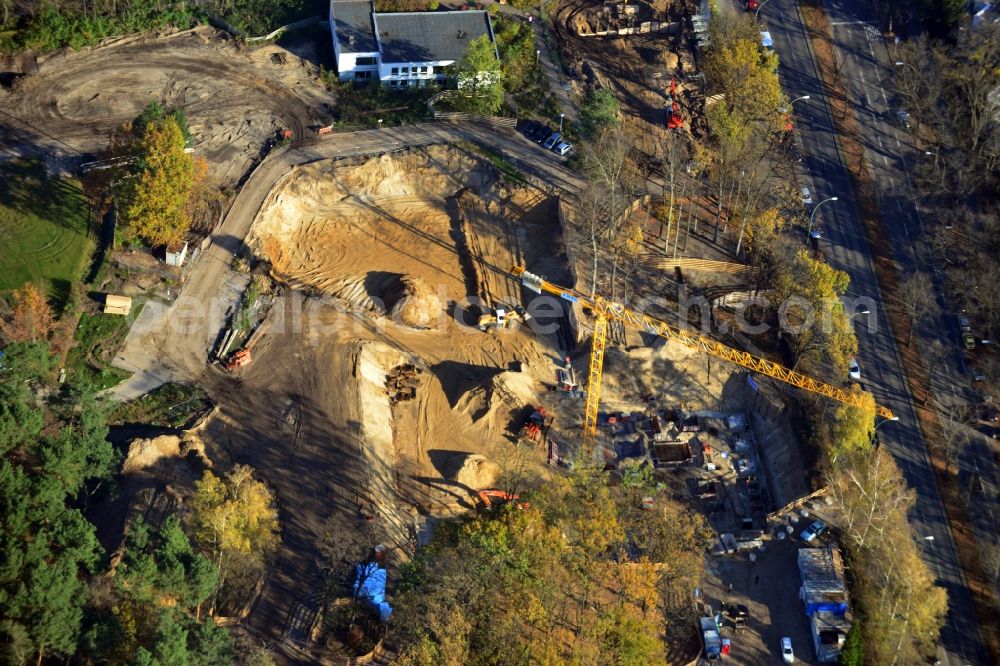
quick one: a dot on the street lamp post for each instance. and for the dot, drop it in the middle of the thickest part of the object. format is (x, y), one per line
(561, 116)
(756, 14)
(812, 216)
(874, 435)
(798, 99)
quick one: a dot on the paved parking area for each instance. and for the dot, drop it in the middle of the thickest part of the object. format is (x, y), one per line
(770, 588)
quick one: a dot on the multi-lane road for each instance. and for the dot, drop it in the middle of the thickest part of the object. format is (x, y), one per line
(888, 149)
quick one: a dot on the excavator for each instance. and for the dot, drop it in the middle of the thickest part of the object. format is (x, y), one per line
(605, 310)
(498, 495)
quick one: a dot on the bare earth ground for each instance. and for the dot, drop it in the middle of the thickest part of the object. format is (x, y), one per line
(377, 252)
(235, 97)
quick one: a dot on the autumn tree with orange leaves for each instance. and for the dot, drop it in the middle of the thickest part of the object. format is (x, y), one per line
(30, 319)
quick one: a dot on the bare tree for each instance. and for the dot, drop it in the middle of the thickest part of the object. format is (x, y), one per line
(953, 429)
(917, 292)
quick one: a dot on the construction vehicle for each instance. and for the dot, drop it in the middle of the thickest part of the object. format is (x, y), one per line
(674, 118)
(502, 495)
(566, 379)
(534, 426)
(604, 310)
(239, 359)
(502, 317)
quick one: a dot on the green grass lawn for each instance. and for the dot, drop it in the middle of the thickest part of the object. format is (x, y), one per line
(98, 339)
(43, 230)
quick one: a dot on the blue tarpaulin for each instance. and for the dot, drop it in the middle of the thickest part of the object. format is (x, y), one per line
(369, 584)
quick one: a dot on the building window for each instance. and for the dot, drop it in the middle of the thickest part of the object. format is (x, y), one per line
(423, 69)
(395, 71)
(362, 76)
(406, 71)
(367, 60)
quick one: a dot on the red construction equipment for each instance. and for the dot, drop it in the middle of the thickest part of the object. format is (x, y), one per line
(485, 495)
(239, 359)
(534, 425)
(674, 118)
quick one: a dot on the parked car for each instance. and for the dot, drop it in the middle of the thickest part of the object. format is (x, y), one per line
(807, 199)
(529, 128)
(562, 147)
(854, 372)
(963, 322)
(752, 5)
(904, 118)
(553, 139)
(815, 530)
(990, 431)
(543, 134)
(787, 655)
(988, 413)
(977, 374)
(968, 341)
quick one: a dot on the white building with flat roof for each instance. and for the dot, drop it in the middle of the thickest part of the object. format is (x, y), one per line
(401, 49)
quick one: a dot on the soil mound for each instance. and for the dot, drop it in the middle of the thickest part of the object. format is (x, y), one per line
(419, 306)
(472, 470)
(144, 453)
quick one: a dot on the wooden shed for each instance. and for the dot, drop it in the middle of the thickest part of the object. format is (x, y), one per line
(119, 305)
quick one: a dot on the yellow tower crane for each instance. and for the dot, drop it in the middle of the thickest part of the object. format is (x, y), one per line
(605, 310)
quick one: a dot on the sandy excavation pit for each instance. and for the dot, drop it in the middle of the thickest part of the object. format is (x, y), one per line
(405, 236)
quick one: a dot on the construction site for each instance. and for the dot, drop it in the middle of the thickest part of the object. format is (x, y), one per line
(405, 369)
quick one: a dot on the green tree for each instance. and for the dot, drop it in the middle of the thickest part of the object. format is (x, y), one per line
(211, 644)
(480, 78)
(851, 428)
(812, 315)
(516, 44)
(154, 198)
(600, 111)
(162, 565)
(746, 75)
(46, 542)
(171, 647)
(853, 652)
(234, 517)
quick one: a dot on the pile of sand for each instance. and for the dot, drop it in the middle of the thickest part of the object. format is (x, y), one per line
(472, 471)
(144, 453)
(419, 306)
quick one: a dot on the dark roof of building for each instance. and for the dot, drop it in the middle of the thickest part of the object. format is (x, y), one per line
(353, 19)
(429, 36)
